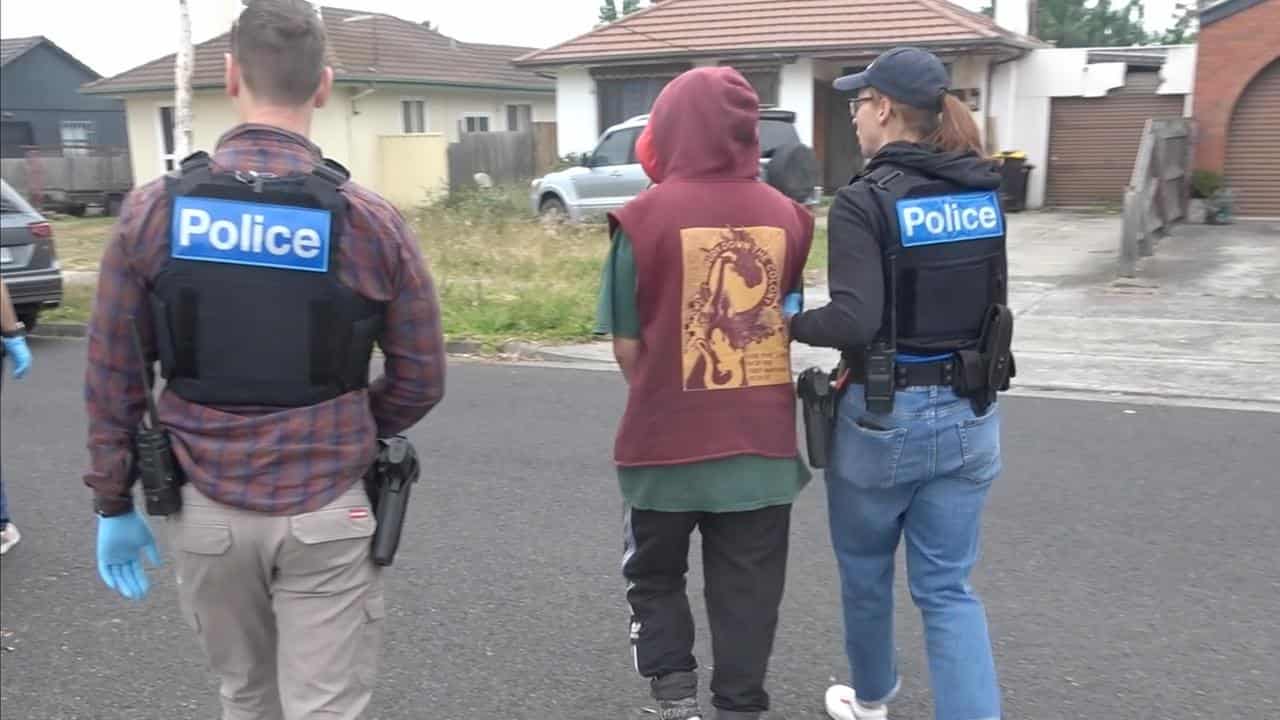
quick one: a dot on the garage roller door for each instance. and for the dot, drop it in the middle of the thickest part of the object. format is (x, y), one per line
(1093, 142)
(1253, 146)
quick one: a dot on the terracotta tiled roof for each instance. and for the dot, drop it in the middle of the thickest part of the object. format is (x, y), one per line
(721, 27)
(362, 46)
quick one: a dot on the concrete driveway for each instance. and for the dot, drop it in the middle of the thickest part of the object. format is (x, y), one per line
(1199, 325)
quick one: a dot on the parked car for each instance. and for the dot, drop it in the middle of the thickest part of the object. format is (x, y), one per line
(28, 260)
(610, 175)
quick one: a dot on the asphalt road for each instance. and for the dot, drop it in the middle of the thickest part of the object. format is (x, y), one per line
(1131, 568)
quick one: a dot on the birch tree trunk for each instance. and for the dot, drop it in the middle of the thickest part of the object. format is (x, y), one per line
(182, 134)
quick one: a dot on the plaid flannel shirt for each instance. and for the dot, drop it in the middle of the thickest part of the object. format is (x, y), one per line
(266, 460)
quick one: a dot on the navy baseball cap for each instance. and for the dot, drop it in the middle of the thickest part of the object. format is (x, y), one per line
(906, 74)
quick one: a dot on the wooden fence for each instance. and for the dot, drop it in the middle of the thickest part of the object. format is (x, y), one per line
(1159, 190)
(506, 157)
(56, 173)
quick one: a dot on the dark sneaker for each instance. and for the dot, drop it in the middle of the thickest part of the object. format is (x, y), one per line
(682, 709)
(739, 715)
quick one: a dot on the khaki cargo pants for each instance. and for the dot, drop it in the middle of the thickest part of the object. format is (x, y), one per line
(288, 609)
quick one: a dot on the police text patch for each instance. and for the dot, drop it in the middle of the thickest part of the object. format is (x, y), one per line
(949, 218)
(244, 233)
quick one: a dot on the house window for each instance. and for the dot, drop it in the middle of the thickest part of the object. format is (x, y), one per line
(475, 123)
(519, 118)
(77, 136)
(765, 78)
(167, 145)
(414, 114)
(766, 83)
(621, 99)
(626, 91)
(14, 135)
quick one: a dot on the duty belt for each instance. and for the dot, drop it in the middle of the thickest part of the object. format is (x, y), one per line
(940, 372)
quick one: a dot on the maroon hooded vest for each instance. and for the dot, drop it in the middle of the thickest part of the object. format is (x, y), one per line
(716, 250)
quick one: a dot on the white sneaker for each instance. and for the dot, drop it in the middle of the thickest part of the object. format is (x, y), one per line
(842, 704)
(9, 537)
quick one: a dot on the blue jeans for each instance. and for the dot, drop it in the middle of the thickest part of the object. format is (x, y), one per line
(4, 506)
(4, 502)
(922, 472)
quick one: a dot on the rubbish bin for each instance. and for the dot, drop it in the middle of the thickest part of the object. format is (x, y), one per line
(1014, 174)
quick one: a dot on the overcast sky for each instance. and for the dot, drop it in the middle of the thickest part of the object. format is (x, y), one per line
(110, 38)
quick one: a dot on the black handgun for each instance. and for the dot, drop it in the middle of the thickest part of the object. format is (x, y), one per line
(393, 473)
(161, 480)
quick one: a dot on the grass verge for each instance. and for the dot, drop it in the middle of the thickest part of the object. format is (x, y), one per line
(503, 275)
(80, 241)
(77, 300)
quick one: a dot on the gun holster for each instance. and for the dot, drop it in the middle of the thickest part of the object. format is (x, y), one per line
(983, 372)
(819, 394)
(817, 399)
(388, 483)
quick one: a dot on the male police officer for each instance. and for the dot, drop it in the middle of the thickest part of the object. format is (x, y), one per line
(261, 278)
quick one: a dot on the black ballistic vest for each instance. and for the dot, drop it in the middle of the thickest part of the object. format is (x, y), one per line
(944, 259)
(248, 308)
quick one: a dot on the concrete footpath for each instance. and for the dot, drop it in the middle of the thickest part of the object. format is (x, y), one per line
(1199, 325)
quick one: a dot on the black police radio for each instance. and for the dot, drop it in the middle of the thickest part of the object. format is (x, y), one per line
(160, 476)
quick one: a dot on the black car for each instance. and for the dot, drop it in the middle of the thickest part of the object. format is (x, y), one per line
(28, 261)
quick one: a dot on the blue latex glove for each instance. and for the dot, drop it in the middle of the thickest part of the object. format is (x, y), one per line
(16, 348)
(122, 540)
(792, 305)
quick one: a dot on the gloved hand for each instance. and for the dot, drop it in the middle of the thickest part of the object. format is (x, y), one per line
(792, 304)
(121, 542)
(16, 348)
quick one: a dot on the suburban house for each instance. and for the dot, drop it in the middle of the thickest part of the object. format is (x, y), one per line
(791, 50)
(401, 91)
(1237, 101)
(41, 104)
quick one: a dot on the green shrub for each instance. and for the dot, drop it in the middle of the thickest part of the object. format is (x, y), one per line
(1204, 183)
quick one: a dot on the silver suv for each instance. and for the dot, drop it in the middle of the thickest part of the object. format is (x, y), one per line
(28, 260)
(610, 175)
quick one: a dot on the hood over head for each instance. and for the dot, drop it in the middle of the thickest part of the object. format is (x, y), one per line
(966, 169)
(705, 124)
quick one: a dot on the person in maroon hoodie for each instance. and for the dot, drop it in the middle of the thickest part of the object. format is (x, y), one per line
(693, 295)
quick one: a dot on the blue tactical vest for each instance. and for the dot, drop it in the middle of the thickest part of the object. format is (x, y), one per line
(248, 308)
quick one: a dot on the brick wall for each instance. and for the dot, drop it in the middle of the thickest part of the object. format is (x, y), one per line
(1232, 51)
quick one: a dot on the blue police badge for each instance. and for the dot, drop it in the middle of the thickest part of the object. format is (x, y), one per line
(949, 218)
(244, 233)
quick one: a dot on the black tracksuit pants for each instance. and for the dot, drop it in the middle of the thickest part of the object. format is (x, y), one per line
(744, 557)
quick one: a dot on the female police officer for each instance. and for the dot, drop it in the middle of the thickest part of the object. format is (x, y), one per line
(918, 288)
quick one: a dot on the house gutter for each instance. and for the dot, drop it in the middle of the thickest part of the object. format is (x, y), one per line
(137, 89)
(820, 53)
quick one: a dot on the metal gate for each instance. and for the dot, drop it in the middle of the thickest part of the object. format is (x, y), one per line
(1253, 146)
(1093, 141)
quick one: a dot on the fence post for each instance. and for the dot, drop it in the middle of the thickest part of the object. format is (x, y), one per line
(1130, 229)
(1152, 196)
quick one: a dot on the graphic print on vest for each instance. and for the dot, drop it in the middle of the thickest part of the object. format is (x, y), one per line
(734, 333)
(243, 233)
(949, 218)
